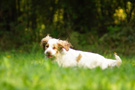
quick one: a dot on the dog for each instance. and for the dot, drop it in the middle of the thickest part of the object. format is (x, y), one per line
(61, 52)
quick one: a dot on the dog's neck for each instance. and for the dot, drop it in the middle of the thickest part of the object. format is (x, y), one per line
(67, 58)
(60, 59)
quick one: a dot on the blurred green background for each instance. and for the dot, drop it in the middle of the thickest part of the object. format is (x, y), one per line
(94, 25)
(101, 26)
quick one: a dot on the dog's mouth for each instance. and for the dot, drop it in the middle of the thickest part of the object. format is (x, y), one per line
(49, 56)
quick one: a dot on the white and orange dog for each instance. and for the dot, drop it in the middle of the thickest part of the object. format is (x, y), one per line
(65, 56)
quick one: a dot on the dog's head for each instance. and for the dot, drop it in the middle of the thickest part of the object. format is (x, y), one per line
(53, 47)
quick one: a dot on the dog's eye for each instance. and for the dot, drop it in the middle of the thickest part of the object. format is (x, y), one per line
(47, 46)
(54, 47)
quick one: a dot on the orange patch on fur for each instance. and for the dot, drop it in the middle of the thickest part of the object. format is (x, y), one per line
(65, 44)
(55, 47)
(78, 57)
(44, 41)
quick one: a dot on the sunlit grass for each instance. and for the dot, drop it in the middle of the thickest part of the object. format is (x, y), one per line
(30, 71)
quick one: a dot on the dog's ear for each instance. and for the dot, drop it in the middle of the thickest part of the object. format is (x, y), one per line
(44, 41)
(64, 44)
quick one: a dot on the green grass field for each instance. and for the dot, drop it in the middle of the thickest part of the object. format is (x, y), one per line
(30, 71)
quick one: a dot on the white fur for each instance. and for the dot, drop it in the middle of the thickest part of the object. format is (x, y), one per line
(88, 60)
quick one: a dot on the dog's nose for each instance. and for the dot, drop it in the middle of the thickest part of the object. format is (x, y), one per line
(48, 53)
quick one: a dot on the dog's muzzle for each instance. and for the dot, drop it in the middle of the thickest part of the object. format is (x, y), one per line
(49, 54)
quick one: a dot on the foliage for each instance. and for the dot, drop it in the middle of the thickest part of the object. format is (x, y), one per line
(24, 22)
(120, 37)
(29, 71)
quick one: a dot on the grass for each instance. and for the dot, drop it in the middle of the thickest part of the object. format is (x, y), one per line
(30, 71)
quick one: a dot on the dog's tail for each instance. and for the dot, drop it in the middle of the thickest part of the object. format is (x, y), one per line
(119, 61)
